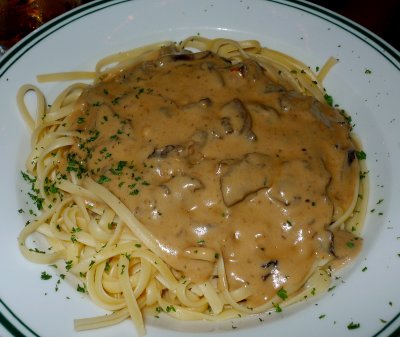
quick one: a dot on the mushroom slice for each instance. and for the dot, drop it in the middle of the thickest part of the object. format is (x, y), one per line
(181, 186)
(245, 176)
(252, 70)
(200, 105)
(235, 115)
(318, 113)
(165, 151)
(191, 56)
(168, 50)
(270, 113)
(344, 245)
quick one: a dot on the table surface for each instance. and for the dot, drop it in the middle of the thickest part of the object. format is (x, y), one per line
(380, 17)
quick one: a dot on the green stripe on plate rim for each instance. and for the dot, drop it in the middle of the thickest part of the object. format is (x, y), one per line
(13, 323)
(16, 326)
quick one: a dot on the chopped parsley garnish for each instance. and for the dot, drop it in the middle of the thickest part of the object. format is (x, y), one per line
(328, 99)
(81, 289)
(134, 192)
(363, 174)
(103, 179)
(50, 187)
(277, 307)
(68, 265)
(115, 100)
(361, 155)
(170, 308)
(75, 164)
(118, 170)
(282, 293)
(38, 201)
(45, 276)
(28, 178)
(95, 134)
(352, 326)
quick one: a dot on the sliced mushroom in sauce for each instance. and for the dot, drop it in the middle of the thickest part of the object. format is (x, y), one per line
(245, 176)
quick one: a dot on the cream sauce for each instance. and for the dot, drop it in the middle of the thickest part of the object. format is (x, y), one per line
(209, 154)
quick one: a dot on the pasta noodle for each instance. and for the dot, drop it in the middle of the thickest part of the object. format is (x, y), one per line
(99, 239)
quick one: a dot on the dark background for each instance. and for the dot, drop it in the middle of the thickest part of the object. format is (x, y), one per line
(18, 18)
(382, 17)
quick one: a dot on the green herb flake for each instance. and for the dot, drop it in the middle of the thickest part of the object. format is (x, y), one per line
(277, 307)
(75, 164)
(115, 100)
(170, 308)
(134, 192)
(282, 293)
(352, 326)
(331, 288)
(328, 99)
(361, 155)
(103, 179)
(38, 201)
(118, 170)
(68, 265)
(81, 289)
(95, 134)
(28, 178)
(45, 276)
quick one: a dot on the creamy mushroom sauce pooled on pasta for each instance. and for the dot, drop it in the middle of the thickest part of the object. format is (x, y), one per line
(213, 155)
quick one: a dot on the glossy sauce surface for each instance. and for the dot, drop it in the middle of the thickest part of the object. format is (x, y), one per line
(207, 154)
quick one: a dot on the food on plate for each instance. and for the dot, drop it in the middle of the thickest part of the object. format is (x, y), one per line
(206, 179)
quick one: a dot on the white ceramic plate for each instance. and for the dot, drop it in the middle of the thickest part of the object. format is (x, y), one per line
(366, 83)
